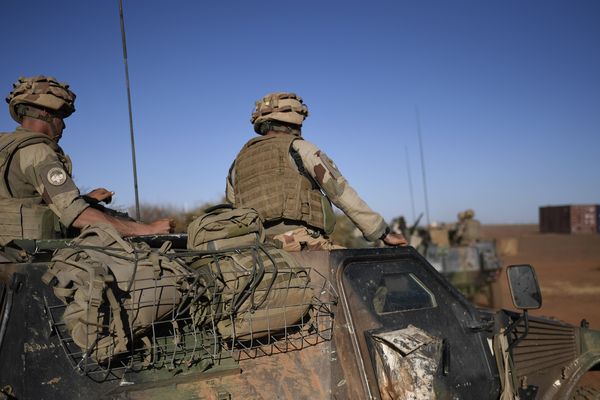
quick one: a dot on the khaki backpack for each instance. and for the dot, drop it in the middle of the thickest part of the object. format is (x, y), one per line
(114, 290)
(224, 227)
(251, 293)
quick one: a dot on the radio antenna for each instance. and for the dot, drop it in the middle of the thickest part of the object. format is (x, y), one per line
(135, 181)
(410, 186)
(423, 167)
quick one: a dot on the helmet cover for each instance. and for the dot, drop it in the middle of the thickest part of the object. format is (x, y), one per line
(43, 92)
(280, 106)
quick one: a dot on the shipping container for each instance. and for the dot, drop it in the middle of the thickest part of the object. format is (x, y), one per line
(584, 219)
(570, 219)
(555, 219)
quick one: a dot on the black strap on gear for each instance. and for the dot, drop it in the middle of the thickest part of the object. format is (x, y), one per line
(266, 126)
(298, 160)
(33, 112)
(37, 113)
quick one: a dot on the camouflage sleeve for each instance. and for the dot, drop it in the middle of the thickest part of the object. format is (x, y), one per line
(229, 192)
(42, 167)
(336, 188)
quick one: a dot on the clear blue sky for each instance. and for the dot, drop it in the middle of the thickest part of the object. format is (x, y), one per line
(508, 94)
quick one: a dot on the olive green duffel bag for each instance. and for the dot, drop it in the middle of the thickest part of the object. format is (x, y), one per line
(114, 289)
(224, 227)
(250, 293)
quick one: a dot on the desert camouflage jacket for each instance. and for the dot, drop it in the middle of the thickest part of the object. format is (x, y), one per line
(40, 173)
(333, 184)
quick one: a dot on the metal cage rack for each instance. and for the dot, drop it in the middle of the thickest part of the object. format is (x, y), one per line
(181, 341)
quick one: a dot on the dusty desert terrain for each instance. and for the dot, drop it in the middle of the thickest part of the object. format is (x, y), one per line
(567, 266)
(568, 270)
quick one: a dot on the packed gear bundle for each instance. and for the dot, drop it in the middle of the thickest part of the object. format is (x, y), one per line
(252, 291)
(228, 286)
(224, 227)
(114, 290)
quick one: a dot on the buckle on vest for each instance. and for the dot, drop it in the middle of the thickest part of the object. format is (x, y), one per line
(313, 233)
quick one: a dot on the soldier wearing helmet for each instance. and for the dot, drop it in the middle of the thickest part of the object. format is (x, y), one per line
(291, 183)
(37, 193)
(468, 229)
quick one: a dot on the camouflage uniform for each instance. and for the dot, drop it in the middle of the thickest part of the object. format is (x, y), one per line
(468, 229)
(38, 174)
(306, 159)
(36, 188)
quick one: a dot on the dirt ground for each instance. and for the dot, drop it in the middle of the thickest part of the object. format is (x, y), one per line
(567, 267)
(568, 270)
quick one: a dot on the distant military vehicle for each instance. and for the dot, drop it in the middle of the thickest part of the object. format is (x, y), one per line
(473, 268)
(384, 324)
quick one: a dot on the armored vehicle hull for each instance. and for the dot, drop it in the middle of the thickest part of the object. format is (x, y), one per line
(389, 326)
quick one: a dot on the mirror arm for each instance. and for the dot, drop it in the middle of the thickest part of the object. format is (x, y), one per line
(512, 327)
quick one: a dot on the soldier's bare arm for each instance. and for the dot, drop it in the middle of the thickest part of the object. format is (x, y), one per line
(101, 195)
(124, 227)
(395, 239)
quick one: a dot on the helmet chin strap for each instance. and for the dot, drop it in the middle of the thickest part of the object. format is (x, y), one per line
(32, 112)
(55, 133)
(266, 126)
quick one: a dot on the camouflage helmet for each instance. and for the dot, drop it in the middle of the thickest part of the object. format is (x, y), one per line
(280, 106)
(40, 92)
(467, 214)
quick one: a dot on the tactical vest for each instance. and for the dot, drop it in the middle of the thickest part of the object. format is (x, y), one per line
(25, 218)
(266, 181)
(472, 231)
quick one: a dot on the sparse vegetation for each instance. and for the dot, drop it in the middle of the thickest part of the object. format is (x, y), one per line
(345, 234)
(151, 212)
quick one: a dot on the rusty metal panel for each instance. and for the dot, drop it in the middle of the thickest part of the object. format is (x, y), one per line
(555, 219)
(584, 219)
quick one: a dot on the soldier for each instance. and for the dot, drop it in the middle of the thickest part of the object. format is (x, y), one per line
(36, 188)
(291, 183)
(468, 229)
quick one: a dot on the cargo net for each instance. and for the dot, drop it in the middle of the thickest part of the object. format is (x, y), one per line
(223, 305)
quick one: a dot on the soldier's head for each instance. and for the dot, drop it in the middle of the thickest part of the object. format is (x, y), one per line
(279, 112)
(41, 98)
(467, 214)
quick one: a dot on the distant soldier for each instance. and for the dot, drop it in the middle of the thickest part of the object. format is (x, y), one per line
(37, 193)
(468, 229)
(291, 183)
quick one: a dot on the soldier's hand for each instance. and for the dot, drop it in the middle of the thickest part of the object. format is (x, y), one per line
(395, 239)
(101, 194)
(162, 226)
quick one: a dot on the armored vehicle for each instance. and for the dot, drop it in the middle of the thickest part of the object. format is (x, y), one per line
(473, 267)
(383, 324)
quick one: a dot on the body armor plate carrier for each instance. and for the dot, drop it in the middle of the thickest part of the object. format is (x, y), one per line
(267, 181)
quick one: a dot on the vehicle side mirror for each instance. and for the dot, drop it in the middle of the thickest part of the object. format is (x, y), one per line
(524, 288)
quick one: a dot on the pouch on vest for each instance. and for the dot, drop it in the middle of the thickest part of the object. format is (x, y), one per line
(224, 227)
(114, 290)
(251, 293)
(19, 220)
